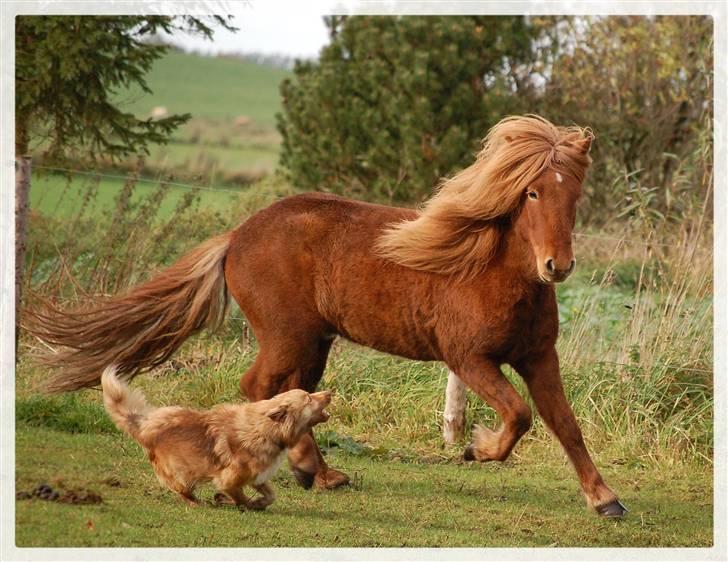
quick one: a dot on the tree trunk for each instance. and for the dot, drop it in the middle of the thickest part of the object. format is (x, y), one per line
(22, 194)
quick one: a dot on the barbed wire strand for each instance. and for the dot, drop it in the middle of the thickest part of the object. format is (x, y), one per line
(238, 192)
(665, 365)
(140, 179)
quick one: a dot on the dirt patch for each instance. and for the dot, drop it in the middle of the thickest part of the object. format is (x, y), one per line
(46, 492)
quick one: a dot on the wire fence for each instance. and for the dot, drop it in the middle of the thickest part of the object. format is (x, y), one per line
(127, 177)
(242, 322)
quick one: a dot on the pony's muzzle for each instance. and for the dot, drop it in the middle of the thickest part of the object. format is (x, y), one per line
(556, 272)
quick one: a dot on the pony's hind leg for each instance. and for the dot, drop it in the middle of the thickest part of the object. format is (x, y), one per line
(485, 378)
(282, 365)
(456, 400)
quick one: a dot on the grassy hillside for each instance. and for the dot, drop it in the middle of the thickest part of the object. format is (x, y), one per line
(210, 87)
(229, 142)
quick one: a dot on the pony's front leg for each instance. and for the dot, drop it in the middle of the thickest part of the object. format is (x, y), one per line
(543, 377)
(485, 378)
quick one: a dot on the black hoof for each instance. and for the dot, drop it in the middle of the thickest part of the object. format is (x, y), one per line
(469, 454)
(305, 479)
(614, 509)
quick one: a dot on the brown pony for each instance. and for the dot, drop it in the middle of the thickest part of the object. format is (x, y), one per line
(467, 280)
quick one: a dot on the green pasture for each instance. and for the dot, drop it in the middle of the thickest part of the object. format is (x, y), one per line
(215, 163)
(230, 137)
(62, 195)
(527, 502)
(213, 87)
(408, 488)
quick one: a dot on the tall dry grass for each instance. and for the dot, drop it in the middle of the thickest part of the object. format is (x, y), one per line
(636, 324)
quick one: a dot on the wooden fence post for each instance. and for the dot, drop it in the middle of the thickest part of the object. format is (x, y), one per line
(22, 194)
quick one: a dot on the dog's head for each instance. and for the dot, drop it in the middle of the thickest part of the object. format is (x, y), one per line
(298, 411)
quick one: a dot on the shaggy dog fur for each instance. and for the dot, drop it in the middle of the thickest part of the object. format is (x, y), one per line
(234, 445)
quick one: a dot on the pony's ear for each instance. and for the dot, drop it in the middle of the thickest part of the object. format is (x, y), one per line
(278, 413)
(585, 144)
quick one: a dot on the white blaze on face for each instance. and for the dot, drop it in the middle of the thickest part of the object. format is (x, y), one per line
(559, 178)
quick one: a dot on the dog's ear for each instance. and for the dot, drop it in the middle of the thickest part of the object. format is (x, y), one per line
(278, 413)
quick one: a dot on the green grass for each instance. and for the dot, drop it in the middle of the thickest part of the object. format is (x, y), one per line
(385, 430)
(212, 87)
(211, 148)
(215, 163)
(59, 195)
(524, 502)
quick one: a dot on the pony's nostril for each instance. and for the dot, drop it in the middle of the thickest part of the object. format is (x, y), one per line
(550, 265)
(572, 265)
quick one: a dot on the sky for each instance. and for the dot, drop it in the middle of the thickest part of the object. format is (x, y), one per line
(295, 30)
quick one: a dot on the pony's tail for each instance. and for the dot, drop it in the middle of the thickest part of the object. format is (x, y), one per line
(140, 329)
(127, 408)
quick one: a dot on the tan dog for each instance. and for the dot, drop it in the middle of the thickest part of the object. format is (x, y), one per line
(234, 445)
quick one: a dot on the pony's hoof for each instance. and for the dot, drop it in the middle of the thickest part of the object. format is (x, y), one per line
(305, 479)
(469, 453)
(331, 479)
(614, 509)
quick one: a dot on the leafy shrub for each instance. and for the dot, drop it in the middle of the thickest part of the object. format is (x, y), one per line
(396, 103)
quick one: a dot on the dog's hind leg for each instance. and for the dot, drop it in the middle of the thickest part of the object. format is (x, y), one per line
(189, 498)
(184, 489)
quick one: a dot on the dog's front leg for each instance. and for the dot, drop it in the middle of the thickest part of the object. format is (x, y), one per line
(268, 496)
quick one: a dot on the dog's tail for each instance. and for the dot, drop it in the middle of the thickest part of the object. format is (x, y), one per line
(138, 330)
(126, 406)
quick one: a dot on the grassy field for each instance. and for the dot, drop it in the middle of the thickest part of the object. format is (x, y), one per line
(63, 196)
(637, 367)
(523, 503)
(647, 420)
(409, 489)
(229, 142)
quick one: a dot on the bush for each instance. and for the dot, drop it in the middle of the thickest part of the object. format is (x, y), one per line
(396, 103)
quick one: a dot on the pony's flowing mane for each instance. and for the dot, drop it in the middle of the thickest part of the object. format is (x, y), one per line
(459, 229)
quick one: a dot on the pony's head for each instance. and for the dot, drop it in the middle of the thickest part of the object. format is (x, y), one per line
(528, 176)
(548, 211)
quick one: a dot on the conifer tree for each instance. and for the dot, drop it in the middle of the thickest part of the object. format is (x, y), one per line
(67, 70)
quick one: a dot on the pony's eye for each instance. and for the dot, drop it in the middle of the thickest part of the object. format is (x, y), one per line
(532, 195)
